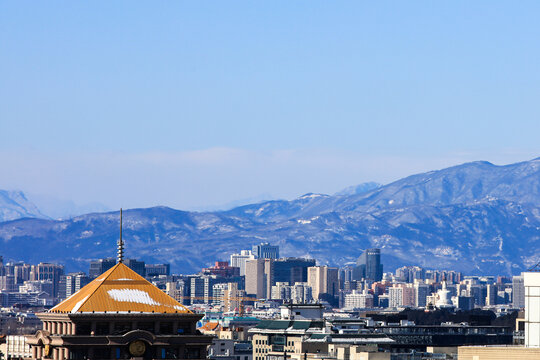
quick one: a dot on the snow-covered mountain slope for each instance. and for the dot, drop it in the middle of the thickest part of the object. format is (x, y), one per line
(477, 217)
(15, 205)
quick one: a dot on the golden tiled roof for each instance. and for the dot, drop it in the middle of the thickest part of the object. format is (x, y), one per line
(120, 289)
(209, 326)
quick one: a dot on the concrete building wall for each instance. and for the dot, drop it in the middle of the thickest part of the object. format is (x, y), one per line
(259, 277)
(323, 280)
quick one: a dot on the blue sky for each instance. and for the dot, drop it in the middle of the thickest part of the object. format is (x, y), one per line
(197, 104)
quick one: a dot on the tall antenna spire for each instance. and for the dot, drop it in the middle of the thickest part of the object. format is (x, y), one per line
(120, 243)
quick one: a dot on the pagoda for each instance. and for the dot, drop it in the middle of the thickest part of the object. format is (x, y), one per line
(119, 315)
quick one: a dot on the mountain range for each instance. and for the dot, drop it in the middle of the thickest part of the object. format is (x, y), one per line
(477, 218)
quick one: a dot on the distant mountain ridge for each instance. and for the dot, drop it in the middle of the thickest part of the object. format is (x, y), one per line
(15, 205)
(477, 217)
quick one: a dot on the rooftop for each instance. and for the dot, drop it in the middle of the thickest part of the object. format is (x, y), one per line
(120, 290)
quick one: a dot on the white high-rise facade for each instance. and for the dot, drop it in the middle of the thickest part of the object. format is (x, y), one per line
(239, 260)
(532, 309)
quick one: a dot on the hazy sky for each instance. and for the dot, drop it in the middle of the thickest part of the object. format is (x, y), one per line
(196, 104)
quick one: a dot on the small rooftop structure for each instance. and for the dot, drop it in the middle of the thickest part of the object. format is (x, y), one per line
(302, 311)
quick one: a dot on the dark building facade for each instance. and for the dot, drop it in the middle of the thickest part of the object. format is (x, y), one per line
(98, 267)
(138, 266)
(158, 269)
(292, 270)
(266, 251)
(368, 266)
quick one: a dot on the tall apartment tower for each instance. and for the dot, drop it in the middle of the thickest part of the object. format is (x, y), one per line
(266, 251)
(239, 260)
(323, 280)
(46, 271)
(518, 292)
(368, 266)
(260, 277)
(421, 292)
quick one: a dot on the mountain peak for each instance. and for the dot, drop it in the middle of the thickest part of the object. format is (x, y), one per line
(311, 196)
(14, 205)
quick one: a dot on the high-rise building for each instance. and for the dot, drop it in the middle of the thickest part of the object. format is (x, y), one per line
(259, 277)
(202, 288)
(71, 283)
(531, 281)
(401, 295)
(368, 266)
(179, 290)
(491, 297)
(138, 266)
(266, 251)
(395, 297)
(228, 295)
(301, 293)
(292, 270)
(75, 282)
(22, 272)
(518, 292)
(358, 300)
(157, 269)
(98, 267)
(281, 291)
(323, 280)
(239, 260)
(46, 271)
(421, 292)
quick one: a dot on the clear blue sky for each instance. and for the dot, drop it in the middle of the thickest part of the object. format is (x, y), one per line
(195, 104)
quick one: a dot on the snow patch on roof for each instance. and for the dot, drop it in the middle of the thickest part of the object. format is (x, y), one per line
(132, 295)
(78, 305)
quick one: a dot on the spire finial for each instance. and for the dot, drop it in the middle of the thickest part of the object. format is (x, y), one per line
(120, 243)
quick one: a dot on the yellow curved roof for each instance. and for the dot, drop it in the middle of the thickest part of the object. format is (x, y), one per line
(120, 289)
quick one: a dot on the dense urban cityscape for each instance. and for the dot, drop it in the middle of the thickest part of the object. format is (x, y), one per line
(269, 180)
(258, 305)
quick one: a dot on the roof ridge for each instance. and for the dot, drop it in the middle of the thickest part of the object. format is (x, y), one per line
(110, 271)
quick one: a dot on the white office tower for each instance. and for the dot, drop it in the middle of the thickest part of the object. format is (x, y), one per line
(239, 260)
(532, 309)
